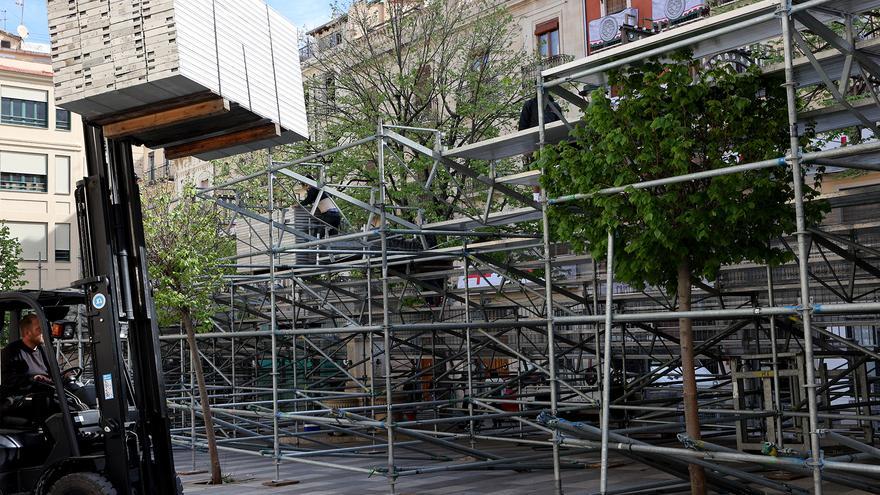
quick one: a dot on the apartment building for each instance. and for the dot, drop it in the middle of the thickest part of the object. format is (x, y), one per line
(41, 158)
(553, 30)
(154, 169)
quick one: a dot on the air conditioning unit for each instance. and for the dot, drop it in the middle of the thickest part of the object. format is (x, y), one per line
(673, 11)
(606, 30)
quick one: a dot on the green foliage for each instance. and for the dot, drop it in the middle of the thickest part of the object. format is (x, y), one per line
(10, 257)
(666, 121)
(186, 248)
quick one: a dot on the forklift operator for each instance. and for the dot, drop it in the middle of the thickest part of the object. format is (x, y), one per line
(22, 360)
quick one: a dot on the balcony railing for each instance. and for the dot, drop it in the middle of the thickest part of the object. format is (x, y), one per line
(530, 72)
(41, 122)
(306, 52)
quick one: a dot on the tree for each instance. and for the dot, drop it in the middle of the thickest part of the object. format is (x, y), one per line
(439, 64)
(185, 251)
(669, 119)
(10, 257)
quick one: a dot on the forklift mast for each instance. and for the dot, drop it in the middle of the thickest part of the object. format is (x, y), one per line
(134, 415)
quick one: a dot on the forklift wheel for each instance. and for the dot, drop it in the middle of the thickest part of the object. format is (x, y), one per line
(82, 484)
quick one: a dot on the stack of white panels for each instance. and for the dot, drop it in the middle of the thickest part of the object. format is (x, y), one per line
(111, 56)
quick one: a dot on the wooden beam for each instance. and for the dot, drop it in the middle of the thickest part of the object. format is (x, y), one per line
(166, 118)
(151, 108)
(223, 141)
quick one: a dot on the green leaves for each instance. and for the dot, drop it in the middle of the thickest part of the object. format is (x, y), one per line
(186, 248)
(665, 121)
(10, 257)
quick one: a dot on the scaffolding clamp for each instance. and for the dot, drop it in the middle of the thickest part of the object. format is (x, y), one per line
(780, 9)
(690, 443)
(812, 462)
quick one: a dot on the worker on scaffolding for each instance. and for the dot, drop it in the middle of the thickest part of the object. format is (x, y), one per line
(327, 212)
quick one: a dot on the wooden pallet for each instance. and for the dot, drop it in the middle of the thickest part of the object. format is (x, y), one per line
(190, 126)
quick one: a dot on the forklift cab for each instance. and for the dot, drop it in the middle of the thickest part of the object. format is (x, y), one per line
(50, 434)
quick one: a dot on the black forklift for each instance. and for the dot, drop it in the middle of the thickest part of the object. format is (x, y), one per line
(64, 438)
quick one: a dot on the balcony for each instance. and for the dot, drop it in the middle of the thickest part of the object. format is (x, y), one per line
(307, 52)
(670, 13)
(631, 24)
(606, 31)
(530, 72)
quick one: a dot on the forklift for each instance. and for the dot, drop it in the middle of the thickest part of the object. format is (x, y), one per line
(116, 440)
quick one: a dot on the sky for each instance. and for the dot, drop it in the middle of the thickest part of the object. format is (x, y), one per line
(303, 13)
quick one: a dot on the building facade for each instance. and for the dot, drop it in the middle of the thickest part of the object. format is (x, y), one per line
(41, 159)
(553, 30)
(155, 170)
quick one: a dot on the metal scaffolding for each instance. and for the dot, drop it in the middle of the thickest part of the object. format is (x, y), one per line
(425, 344)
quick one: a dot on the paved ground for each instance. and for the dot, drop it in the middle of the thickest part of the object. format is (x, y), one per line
(250, 472)
(253, 471)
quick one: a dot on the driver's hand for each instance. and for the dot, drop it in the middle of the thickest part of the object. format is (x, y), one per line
(42, 379)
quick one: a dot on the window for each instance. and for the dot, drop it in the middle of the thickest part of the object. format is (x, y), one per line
(22, 106)
(151, 165)
(614, 6)
(166, 172)
(62, 174)
(62, 242)
(479, 59)
(423, 90)
(547, 34)
(62, 119)
(23, 172)
(330, 41)
(330, 88)
(32, 237)
(5, 44)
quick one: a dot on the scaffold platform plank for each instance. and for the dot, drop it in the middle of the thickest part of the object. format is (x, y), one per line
(837, 117)
(517, 143)
(832, 62)
(528, 178)
(507, 217)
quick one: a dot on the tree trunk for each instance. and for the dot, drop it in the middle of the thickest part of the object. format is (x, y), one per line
(688, 374)
(196, 363)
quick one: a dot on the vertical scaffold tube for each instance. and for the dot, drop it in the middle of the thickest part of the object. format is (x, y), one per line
(467, 343)
(606, 366)
(548, 291)
(386, 318)
(276, 445)
(803, 250)
(774, 352)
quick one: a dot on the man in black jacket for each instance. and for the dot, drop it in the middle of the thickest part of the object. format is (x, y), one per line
(23, 361)
(528, 117)
(327, 211)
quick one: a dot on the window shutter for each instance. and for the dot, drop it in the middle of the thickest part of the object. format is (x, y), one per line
(23, 163)
(32, 237)
(62, 174)
(24, 94)
(547, 26)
